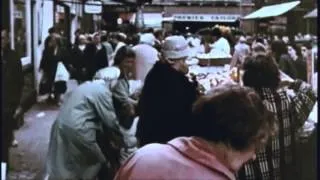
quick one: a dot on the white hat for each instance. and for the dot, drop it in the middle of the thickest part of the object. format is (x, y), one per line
(242, 39)
(108, 73)
(147, 38)
(175, 47)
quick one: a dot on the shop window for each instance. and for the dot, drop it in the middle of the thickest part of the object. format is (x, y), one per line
(20, 36)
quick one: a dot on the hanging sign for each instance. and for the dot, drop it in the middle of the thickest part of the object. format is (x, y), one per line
(206, 17)
(93, 7)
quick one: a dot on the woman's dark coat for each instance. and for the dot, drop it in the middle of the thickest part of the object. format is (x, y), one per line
(286, 64)
(49, 62)
(95, 59)
(78, 62)
(165, 106)
(301, 67)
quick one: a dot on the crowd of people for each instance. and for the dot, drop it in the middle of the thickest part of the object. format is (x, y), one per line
(232, 132)
(244, 132)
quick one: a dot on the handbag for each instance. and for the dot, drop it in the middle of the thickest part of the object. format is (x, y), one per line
(62, 73)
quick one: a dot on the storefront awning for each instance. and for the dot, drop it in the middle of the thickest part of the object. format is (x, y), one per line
(272, 10)
(312, 14)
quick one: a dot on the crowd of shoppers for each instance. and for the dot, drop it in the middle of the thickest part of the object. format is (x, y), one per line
(232, 132)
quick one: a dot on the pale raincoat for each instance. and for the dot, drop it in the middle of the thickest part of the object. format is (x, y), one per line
(73, 150)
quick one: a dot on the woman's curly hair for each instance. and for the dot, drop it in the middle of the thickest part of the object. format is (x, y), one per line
(261, 71)
(235, 116)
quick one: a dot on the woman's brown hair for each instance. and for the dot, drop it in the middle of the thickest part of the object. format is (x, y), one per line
(233, 115)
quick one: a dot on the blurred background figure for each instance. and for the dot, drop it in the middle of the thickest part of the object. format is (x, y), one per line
(52, 54)
(106, 44)
(220, 43)
(299, 62)
(285, 63)
(95, 56)
(12, 79)
(241, 51)
(146, 56)
(78, 61)
(117, 41)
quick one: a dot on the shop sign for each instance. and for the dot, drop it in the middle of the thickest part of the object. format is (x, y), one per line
(93, 7)
(206, 17)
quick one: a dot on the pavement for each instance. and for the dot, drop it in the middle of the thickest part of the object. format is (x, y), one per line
(29, 157)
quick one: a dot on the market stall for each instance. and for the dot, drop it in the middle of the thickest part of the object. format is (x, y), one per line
(214, 59)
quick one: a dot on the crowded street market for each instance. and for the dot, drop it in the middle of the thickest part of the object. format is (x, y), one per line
(198, 96)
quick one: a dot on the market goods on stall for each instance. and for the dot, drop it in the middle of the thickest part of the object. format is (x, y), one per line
(214, 54)
(214, 59)
(209, 79)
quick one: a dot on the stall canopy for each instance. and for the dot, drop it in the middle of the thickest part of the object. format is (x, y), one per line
(312, 14)
(272, 10)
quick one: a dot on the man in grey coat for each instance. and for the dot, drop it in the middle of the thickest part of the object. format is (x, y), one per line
(74, 152)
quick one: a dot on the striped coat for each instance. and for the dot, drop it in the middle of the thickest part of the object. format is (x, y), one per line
(277, 160)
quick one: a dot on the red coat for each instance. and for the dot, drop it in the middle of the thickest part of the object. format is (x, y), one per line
(180, 159)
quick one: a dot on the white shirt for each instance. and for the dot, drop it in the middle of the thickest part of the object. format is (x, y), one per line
(119, 45)
(222, 45)
(146, 57)
(242, 50)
